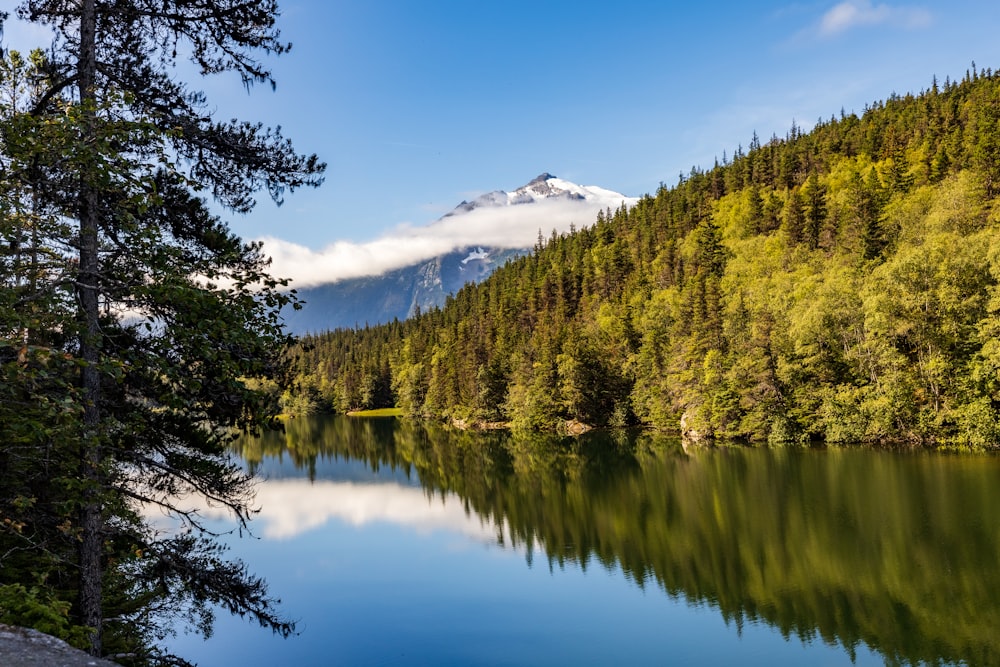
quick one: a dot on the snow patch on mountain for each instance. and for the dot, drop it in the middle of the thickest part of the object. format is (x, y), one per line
(477, 254)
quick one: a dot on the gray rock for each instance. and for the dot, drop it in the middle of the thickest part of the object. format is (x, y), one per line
(20, 647)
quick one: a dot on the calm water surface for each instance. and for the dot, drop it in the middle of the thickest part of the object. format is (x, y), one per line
(395, 543)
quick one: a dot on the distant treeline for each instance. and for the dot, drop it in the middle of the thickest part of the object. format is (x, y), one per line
(838, 284)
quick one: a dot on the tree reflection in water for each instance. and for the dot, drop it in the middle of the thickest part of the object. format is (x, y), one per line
(897, 551)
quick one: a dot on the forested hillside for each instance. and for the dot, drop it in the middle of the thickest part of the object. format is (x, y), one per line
(839, 284)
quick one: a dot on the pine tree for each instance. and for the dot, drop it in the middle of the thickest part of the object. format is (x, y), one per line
(794, 222)
(867, 204)
(158, 391)
(814, 195)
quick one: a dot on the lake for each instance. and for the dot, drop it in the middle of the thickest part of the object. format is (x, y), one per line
(393, 542)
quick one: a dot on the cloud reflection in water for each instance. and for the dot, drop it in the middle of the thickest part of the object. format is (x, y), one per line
(292, 507)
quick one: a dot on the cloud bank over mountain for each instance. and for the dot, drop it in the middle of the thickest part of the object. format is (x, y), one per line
(497, 219)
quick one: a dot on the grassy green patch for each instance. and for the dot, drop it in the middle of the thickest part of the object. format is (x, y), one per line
(381, 412)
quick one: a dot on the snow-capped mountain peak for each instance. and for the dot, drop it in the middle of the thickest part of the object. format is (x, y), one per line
(544, 186)
(394, 276)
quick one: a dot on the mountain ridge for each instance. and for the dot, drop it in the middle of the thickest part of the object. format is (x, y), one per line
(399, 293)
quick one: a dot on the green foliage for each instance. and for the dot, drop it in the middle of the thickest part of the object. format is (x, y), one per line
(134, 326)
(839, 284)
(35, 608)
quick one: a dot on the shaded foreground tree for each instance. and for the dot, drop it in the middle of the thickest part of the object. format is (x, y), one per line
(132, 318)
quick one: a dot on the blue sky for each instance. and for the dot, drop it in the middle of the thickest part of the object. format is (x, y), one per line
(418, 104)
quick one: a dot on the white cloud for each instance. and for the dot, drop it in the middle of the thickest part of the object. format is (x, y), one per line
(292, 507)
(862, 13)
(505, 227)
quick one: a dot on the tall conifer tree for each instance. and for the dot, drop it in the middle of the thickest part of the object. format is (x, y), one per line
(172, 311)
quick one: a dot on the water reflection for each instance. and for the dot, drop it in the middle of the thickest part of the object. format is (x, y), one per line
(290, 508)
(856, 547)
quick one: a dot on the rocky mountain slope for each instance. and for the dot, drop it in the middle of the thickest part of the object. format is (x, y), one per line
(400, 293)
(397, 294)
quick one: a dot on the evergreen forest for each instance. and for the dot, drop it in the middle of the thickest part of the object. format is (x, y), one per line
(836, 285)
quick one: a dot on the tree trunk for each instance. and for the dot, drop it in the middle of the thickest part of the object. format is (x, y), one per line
(87, 289)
